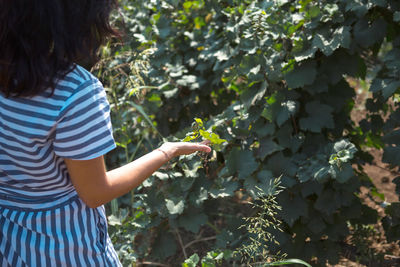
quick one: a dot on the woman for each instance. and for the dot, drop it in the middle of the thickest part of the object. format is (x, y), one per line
(54, 130)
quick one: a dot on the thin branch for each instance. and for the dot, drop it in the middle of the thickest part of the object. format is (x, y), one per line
(200, 240)
(181, 243)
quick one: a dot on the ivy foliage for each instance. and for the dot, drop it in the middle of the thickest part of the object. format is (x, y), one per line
(270, 79)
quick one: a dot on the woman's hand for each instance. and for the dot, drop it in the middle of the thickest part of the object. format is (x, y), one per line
(174, 149)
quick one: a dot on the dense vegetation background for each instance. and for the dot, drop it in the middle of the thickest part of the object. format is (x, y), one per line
(272, 79)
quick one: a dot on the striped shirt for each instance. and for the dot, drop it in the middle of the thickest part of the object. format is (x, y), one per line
(38, 203)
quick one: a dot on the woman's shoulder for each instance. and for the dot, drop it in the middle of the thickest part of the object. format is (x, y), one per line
(76, 80)
(77, 76)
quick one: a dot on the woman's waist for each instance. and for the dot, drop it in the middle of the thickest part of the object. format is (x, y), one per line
(38, 200)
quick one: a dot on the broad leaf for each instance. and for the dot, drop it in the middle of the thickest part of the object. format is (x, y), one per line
(292, 207)
(192, 220)
(174, 208)
(303, 74)
(242, 162)
(367, 35)
(319, 117)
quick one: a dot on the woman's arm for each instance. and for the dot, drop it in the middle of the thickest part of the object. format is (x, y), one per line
(96, 187)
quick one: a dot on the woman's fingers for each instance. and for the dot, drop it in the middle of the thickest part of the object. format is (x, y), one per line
(204, 148)
(184, 148)
(206, 142)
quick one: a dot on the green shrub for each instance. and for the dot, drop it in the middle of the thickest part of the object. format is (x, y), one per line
(270, 78)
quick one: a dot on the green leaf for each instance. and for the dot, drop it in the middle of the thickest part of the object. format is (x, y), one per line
(212, 137)
(342, 173)
(391, 223)
(262, 128)
(341, 63)
(190, 137)
(224, 238)
(288, 108)
(387, 86)
(340, 38)
(278, 109)
(164, 246)
(228, 188)
(303, 74)
(312, 187)
(268, 147)
(313, 11)
(396, 16)
(253, 94)
(319, 117)
(381, 3)
(279, 164)
(199, 122)
(359, 8)
(344, 153)
(392, 137)
(314, 168)
(320, 85)
(396, 181)
(174, 208)
(327, 202)
(345, 145)
(192, 220)
(250, 184)
(316, 224)
(242, 162)
(391, 155)
(366, 35)
(191, 261)
(374, 192)
(163, 27)
(114, 220)
(293, 206)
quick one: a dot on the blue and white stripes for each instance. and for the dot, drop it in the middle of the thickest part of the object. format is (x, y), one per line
(42, 220)
(69, 235)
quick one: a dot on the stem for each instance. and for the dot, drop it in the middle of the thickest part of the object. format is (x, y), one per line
(200, 240)
(181, 243)
(214, 228)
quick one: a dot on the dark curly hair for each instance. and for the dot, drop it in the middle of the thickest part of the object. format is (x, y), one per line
(40, 40)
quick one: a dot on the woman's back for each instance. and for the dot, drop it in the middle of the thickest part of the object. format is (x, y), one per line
(39, 206)
(36, 132)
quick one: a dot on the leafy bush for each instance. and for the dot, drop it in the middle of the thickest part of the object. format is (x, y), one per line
(270, 78)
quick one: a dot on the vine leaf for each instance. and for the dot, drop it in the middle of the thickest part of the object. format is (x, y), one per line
(256, 92)
(227, 189)
(174, 208)
(292, 208)
(367, 35)
(191, 261)
(391, 155)
(301, 75)
(164, 246)
(386, 86)
(268, 147)
(192, 220)
(242, 162)
(340, 37)
(320, 116)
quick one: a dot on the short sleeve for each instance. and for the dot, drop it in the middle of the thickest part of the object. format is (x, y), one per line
(84, 130)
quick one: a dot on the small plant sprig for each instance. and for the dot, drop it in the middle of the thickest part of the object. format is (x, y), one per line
(200, 134)
(257, 253)
(199, 131)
